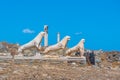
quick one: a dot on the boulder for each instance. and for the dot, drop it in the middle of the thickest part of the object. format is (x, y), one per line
(3, 48)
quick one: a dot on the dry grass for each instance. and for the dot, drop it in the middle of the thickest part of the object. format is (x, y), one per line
(55, 71)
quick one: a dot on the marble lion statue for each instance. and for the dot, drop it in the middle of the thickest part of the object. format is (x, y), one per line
(34, 43)
(60, 45)
(78, 48)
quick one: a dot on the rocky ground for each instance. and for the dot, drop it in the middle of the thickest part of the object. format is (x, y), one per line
(46, 70)
(107, 67)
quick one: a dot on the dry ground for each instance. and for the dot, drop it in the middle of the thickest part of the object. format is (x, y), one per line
(44, 70)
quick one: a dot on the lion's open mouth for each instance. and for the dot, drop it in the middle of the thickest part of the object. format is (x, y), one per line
(68, 38)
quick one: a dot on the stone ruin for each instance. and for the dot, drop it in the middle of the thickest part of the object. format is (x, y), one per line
(7, 49)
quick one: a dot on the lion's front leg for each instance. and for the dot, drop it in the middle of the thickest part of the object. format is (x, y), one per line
(82, 53)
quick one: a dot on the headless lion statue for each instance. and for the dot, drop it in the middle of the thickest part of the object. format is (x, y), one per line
(78, 48)
(60, 45)
(34, 43)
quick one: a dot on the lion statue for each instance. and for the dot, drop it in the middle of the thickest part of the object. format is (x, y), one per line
(78, 48)
(34, 43)
(60, 45)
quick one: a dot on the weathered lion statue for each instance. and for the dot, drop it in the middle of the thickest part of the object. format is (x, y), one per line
(34, 43)
(78, 48)
(60, 45)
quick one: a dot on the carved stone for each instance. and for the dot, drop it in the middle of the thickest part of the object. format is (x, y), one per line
(61, 45)
(34, 43)
(78, 48)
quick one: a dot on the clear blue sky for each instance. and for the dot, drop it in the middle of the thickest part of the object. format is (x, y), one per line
(98, 21)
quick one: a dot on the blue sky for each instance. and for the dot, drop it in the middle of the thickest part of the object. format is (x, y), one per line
(98, 21)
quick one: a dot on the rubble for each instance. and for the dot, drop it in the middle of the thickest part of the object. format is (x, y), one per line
(113, 56)
(48, 71)
(107, 66)
(3, 49)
